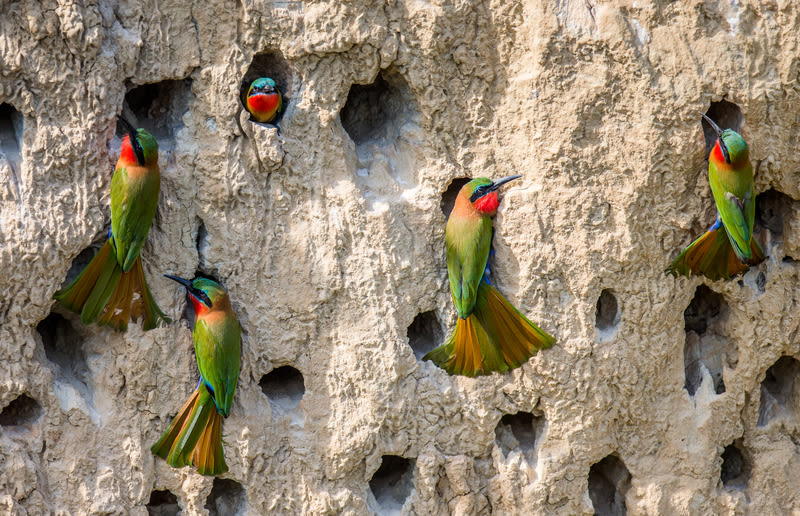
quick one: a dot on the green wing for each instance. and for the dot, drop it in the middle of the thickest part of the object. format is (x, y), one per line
(218, 349)
(133, 205)
(737, 214)
(467, 253)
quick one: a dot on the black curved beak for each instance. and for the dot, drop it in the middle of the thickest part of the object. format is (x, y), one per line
(186, 283)
(500, 182)
(722, 145)
(127, 126)
(195, 292)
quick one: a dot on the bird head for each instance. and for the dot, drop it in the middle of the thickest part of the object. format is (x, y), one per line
(730, 147)
(262, 85)
(138, 146)
(205, 294)
(481, 193)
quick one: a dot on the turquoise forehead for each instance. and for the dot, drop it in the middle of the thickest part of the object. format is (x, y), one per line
(262, 82)
(206, 284)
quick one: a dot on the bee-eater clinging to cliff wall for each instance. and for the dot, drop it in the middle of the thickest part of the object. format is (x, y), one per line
(490, 335)
(104, 290)
(728, 247)
(195, 435)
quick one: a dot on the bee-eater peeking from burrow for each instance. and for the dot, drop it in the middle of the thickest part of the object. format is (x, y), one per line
(263, 100)
(491, 335)
(195, 435)
(728, 247)
(112, 289)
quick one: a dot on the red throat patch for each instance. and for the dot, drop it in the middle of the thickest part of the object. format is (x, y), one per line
(716, 153)
(488, 203)
(199, 307)
(126, 153)
(263, 103)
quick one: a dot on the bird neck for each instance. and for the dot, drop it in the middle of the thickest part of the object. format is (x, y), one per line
(220, 307)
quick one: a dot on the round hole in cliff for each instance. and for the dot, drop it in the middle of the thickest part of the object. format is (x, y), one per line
(163, 503)
(158, 108)
(449, 195)
(725, 114)
(377, 111)
(609, 481)
(272, 64)
(227, 498)
(23, 410)
(284, 386)
(707, 345)
(519, 431)
(772, 207)
(392, 483)
(735, 469)
(11, 128)
(606, 314)
(61, 342)
(779, 396)
(425, 333)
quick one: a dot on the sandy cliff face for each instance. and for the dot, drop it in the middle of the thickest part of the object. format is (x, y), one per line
(661, 396)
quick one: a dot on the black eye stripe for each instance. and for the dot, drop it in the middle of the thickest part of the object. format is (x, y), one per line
(478, 193)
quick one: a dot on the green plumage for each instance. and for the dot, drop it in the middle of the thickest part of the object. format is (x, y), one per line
(112, 289)
(133, 206)
(491, 335)
(727, 248)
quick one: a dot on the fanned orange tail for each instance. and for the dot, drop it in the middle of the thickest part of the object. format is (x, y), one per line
(104, 294)
(495, 337)
(712, 256)
(195, 436)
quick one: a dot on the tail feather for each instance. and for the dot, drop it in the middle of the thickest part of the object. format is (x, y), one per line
(103, 293)
(208, 457)
(153, 316)
(517, 337)
(495, 337)
(713, 256)
(164, 444)
(195, 436)
(74, 296)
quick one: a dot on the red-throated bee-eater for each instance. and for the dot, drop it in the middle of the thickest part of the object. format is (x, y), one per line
(490, 335)
(195, 435)
(263, 100)
(104, 290)
(728, 247)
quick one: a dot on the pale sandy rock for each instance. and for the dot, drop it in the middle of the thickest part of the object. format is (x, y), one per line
(330, 238)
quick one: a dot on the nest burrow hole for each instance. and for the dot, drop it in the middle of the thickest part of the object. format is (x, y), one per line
(607, 311)
(726, 115)
(163, 503)
(392, 483)
(23, 410)
(227, 498)
(779, 391)
(609, 481)
(272, 64)
(425, 333)
(773, 208)
(450, 194)
(158, 108)
(11, 128)
(377, 111)
(707, 346)
(520, 431)
(62, 347)
(735, 469)
(284, 386)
